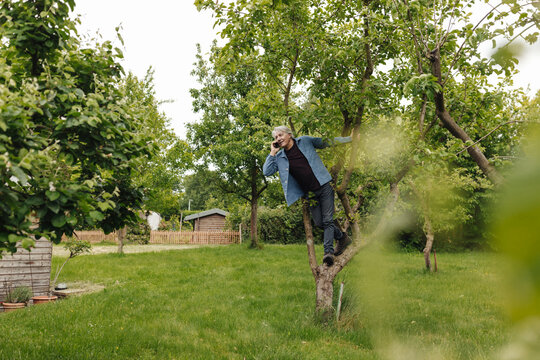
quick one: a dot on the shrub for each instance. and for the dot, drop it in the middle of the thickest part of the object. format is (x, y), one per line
(139, 233)
(171, 223)
(280, 225)
(20, 294)
(76, 246)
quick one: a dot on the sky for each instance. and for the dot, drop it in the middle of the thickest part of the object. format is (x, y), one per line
(163, 34)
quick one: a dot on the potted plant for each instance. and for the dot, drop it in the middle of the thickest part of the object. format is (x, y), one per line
(75, 246)
(17, 298)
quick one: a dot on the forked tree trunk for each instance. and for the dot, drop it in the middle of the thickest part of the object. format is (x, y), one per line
(324, 275)
(324, 278)
(428, 227)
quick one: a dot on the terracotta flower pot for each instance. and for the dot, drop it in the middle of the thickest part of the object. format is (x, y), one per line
(12, 306)
(43, 299)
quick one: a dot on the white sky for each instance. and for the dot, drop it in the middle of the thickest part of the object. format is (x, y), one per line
(159, 33)
(164, 33)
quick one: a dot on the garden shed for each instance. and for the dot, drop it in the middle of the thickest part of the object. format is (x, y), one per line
(27, 268)
(209, 220)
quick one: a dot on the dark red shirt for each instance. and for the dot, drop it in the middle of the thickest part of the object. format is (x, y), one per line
(301, 171)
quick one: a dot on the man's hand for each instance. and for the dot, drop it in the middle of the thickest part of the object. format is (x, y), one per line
(273, 149)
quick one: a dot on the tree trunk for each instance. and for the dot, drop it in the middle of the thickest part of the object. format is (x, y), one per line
(325, 294)
(121, 238)
(429, 242)
(474, 151)
(324, 278)
(253, 234)
(349, 213)
(254, 200)
(324, 275)
(428, 228)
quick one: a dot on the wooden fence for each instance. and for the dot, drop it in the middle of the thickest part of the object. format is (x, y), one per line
(94, 236)
(27, 268)
(194, 237)
(170, 237)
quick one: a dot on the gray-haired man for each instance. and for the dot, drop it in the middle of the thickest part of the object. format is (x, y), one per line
(302, 171)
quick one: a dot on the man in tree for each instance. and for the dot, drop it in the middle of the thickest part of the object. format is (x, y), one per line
(303, 173)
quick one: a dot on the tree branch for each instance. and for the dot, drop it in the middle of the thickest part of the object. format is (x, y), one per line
(457, 54)
(489, 133)
(309, 238)
(261, 190)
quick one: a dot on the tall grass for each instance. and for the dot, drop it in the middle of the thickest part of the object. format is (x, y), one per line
(234, 303)
(456, 313)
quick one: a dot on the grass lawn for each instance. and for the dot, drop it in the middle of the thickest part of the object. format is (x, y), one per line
(233, 303)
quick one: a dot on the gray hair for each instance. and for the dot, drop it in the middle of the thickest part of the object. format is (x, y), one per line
(282, 129)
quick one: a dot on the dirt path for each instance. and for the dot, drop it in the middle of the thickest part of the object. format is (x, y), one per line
(58, 250)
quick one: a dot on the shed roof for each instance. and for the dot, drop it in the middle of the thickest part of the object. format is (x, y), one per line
(206, 213)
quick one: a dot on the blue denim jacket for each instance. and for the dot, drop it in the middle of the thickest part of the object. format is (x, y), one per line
(280, 162)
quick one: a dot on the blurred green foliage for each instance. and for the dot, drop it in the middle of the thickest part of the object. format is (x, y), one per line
(517, 232)
(517, 228)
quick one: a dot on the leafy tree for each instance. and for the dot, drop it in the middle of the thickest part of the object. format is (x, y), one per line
(406, 80)
(68, 137)
(453, 75)
(443, 200)
(198, 187)
(232, 132)
(160, 175)
(316, 47)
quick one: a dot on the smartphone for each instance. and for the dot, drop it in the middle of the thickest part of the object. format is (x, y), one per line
(275, 145)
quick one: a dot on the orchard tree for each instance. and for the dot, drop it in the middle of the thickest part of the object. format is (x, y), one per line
(328, 48)
(275, 37)
(357, 66)
(232, 134)
(68, 137)
(452, 75)
(160, 174)
(442, 195)
(199, 187)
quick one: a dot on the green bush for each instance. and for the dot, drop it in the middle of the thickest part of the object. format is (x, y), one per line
(139, 233)
(76, 246)
(462, 237)
(170, 223)
(280, 225)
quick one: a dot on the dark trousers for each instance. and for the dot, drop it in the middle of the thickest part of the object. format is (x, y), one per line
(322, 212)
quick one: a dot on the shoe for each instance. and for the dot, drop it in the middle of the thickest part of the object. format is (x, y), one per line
(328, 259)
(342, 244)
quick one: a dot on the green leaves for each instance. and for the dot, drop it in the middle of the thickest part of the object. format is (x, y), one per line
(52, 195)
(19, 173)
(422, 84)
(58, 220)
(54, 207)
(96, 216)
